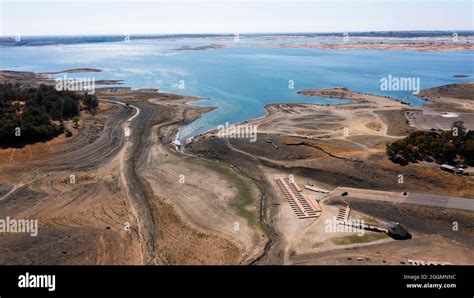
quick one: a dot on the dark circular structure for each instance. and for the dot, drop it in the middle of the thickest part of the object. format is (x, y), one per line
(397, 231)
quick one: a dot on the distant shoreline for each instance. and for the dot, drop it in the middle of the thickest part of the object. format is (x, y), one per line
(388, 46)
(461, 35)
(73, 70)
(431, 94)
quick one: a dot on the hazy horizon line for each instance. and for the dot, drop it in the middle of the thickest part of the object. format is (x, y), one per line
(244, 33)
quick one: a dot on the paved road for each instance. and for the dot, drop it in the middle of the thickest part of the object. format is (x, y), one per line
(410, 198)
(428, 119)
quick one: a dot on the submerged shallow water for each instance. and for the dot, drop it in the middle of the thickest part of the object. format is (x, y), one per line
(240, 80)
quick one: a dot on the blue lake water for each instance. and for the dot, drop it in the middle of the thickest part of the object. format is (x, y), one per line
(240, 80)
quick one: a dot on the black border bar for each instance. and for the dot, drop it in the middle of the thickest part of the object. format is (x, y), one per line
(222, 281)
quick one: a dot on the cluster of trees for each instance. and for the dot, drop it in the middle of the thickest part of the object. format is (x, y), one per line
(454, 147)
(29, 115)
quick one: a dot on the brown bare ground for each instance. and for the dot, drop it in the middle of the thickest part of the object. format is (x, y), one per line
(392, 46)
(309, 142)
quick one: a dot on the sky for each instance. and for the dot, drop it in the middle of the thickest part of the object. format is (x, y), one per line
(87, 17)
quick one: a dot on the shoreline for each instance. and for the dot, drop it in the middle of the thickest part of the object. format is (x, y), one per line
(348, 41)
(137, 154)
(381, 46)
(341, 93)
(355, 97)
(358, 98)
(463, 35)
(333, 146)
(420, 46)
(73, 70)
(344, 93)
(305, 140)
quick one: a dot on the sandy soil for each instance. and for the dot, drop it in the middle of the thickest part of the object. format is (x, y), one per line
(340, 145)
(245, 38)
(139, 199)
(79, 223)
(210, 198)
(121, 209)
(202, 48)
(392, 46)
(455, 97)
